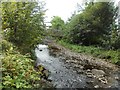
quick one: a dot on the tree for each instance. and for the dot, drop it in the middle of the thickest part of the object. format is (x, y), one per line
(57, 27)
(57, 23)
(22, 23)
(92, 25)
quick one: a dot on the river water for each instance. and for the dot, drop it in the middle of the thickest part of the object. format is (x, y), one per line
(60, 74)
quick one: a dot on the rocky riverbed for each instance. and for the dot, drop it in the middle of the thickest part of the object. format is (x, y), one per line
(76, 70)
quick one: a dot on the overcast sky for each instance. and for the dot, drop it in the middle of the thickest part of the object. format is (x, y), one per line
(62, 8)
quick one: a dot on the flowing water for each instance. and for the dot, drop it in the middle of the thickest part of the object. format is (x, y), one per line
(61, 76)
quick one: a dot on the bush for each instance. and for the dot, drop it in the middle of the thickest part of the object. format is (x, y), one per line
(23, 24)
(18, 70)
(6, 46)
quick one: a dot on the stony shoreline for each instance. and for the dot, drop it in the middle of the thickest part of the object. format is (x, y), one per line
(100, 74)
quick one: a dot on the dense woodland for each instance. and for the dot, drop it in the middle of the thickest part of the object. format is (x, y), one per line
(93, 31)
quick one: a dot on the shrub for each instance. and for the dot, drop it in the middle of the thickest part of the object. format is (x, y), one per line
(18, 70)
(6, 46)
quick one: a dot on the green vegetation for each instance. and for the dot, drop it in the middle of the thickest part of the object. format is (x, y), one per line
(23, 24)
(57, 23)
(57, 27)
(91, 26)
(22, 29)
(94, 31)
(112, 55)
(17, 69)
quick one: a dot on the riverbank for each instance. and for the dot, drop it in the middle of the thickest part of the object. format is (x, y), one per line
(18, 70)
(99, 72)
(112, 56)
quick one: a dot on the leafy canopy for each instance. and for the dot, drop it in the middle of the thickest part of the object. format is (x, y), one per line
(57, 23)
(23, 23)
(92, 25)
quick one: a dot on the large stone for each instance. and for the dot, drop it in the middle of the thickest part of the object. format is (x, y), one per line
(98, 73)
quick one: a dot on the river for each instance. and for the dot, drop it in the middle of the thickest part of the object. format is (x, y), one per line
(63, 75)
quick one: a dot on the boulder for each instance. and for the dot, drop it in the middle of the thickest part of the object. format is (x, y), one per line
(98, 73)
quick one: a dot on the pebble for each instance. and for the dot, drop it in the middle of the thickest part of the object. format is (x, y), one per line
(76, 66)
(89, 82)
(117, 78)
(81, 67)
(88, 70)
(96, 86)
(89, 75)
(80, 71)
(103, 80)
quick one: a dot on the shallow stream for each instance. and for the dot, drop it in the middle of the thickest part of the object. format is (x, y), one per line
(61, 74)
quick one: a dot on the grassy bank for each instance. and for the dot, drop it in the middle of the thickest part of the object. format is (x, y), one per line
(111, 55)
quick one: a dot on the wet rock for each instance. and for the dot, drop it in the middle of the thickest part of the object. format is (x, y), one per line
(89, 82)
(88, 70)
(55, 48)
(62, 58)
(96, 86)
(103, 80)
(81, 67)
(68, 61)
(88, 66)
(75, 61)
(73, 58)
(98, 73)
(111, 81)
(46, 72)
(80, 72)
(46, 84)
(117, 78)
(89, 75)
(76, 66)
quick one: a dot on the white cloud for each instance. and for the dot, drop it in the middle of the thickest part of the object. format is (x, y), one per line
(62, 8)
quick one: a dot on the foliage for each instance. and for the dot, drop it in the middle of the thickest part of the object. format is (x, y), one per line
(57, 23)
(18, 72)
(17, 69)
(115, 39)
(91, 26)
(57, 27)
(6, 46)
(111, 55)
(23, 26)
(22, 23)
